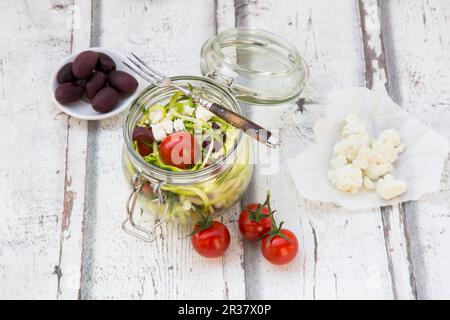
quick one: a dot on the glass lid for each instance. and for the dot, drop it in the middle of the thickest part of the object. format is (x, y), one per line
(258, 66)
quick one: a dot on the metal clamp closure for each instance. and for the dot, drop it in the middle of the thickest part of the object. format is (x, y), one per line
(129, 225)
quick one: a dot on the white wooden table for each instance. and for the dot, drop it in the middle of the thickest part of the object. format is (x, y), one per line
(62, 191)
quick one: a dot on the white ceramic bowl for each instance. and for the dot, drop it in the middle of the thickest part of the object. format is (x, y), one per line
(82, 109)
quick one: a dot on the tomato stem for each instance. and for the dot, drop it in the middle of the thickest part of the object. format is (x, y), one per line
(205, 222)
(275, 230)
(257, 215)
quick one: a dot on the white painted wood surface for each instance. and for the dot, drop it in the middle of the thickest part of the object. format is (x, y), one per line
(62, 190)
(397, 244)
(418, 41)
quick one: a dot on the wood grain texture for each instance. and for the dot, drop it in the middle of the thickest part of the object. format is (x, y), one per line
(330, 42)
(417, 43)
(34, 37)
(342, 253)
(62, 191)
(71, 241)
(115, 264)
(394, 225)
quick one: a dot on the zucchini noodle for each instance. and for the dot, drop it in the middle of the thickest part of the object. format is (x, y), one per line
(212, 194)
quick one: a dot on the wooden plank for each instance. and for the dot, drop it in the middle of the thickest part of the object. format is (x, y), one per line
(395, 234)
(417, 45)
(115, 264)
(342, 253)
(71, 242)
(33, 39)
(225, 14)
(325, 44)
(233, 261)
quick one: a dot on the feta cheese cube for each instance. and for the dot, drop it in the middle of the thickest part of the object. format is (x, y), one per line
(189, 111)
(351, 145)
(384, 153)
(363, 158)
(368, 184)
(347, 178)
(388, 187)
(388, 137)
(167, 125)
(203, 114)
(375, 170)
(156, 116)
(400, 148)
(339, 161)
(178, 125)
(158, 132)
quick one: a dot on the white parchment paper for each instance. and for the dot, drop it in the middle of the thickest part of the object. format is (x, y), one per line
(420, 165)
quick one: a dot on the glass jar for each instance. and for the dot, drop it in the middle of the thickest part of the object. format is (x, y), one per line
(183, 195)
(260, 68)
(254, 66)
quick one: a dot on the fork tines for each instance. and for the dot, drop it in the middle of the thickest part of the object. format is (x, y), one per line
(143, 70)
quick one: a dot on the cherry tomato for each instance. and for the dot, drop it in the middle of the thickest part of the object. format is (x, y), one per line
(211, 240)
(255, 221)
(147, 189)
(280, 247)
(179, 149)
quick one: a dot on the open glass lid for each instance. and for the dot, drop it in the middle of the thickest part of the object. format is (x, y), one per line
(258, 66)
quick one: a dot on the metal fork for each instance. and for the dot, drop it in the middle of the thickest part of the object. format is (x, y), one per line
(158, 79)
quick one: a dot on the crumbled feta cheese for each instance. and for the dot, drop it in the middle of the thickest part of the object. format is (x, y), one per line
(187, 205)
(400, 148)
(384, 153)
(388, 137)
(363, 158)
(156, 116)
(167, 125)
(358, 161)
(189, 111)
(339, 161)
(351, 145)
(368, 184)
(203, 114)
(178, 125)
(388, 187)
(158, 132)
(347, 178)
(375, 170)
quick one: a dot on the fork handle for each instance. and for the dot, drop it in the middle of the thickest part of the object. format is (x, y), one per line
(250, 128)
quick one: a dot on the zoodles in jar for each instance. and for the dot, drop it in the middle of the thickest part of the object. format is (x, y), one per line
(181, 137)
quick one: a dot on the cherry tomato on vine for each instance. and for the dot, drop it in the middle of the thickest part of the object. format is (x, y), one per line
(255, 220)
(180, 149)
(210, 238)
(280, 246)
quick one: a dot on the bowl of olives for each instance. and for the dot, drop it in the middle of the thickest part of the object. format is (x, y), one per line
(93, 84)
